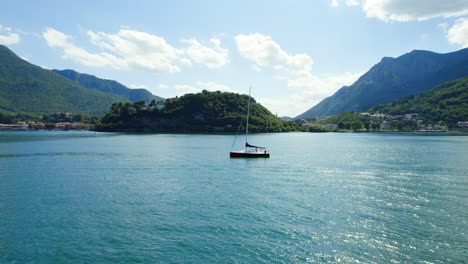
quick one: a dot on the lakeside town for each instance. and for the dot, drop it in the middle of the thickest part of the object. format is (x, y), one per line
(357, 122)
(365, 121)
(33, 125)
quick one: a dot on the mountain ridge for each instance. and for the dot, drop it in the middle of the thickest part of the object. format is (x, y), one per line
(393, 78)
(30, 89)
(108, 86)
(26, 88)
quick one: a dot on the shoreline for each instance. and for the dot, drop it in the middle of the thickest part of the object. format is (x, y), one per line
(228, 133)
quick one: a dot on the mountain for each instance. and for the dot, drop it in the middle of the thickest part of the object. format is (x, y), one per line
(447, 102)
(391, 79)
(30, 89)
(108, 86)
(201, 112)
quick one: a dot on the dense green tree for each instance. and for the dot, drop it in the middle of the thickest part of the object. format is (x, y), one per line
(446, 103)
(201, 112)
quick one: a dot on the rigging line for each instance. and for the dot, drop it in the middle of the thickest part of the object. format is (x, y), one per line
(240, 124)
(248, 113)
(238, 130)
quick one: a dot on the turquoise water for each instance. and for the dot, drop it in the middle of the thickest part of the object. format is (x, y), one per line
(85, 197)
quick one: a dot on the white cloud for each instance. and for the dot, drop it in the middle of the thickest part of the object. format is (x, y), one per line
(200, 86)
(139, 50)
(336, 3)
(138, 86)
(265, 52)
(185, 62)
(185, 89)
(163, 86)
(352, 3)
(315, 86)
(211, 57)
(458, 33)
(443, 26)
(212, 86)
(58, 39)
(135, 50)
(407, 10)
(306, 88)
(8, 38)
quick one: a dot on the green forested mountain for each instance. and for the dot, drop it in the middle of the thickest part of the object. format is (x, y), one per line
(201, 112)
(108, 86)
(27, 88)
(447, 102)
(391, 79)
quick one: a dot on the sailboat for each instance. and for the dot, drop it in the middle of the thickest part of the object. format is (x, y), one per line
(250, 151)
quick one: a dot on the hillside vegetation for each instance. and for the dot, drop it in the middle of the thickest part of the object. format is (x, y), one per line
(201, 112)
(27, 88)
(447, 102)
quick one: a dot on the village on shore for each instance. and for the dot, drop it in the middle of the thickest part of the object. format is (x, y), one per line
(365, 121)
(412, 122)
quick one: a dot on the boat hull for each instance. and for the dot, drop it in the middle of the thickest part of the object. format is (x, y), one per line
(235, 154)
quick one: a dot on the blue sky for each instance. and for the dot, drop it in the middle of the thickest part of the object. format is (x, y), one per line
(293, 53)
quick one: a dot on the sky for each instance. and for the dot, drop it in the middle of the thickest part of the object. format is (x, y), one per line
(292, 53)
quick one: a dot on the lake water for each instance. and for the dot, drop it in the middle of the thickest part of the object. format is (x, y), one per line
(85, 197)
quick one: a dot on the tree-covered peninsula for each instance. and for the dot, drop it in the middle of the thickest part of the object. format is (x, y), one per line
(201, 112)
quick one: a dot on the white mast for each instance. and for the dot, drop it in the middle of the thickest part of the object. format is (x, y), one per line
(248, 113)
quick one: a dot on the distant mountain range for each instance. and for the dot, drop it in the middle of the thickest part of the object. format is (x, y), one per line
(391, 79)
(29, 89)
(108, 86)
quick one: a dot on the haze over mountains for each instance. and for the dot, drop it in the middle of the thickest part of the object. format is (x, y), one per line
(394, 78)
(30, 89)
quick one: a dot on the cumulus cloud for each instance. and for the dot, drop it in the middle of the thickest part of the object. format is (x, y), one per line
(336, 3)
(307, 89)
(265, 52)
(407, 10)
(182, 89)
(443, 26)
(215, 57)
(139, 50)
(58, 39)
(200, 86)
(458, 33)
(212, 86)
(352, 3)
(163, 86)
(135, 50)
(7, 37)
